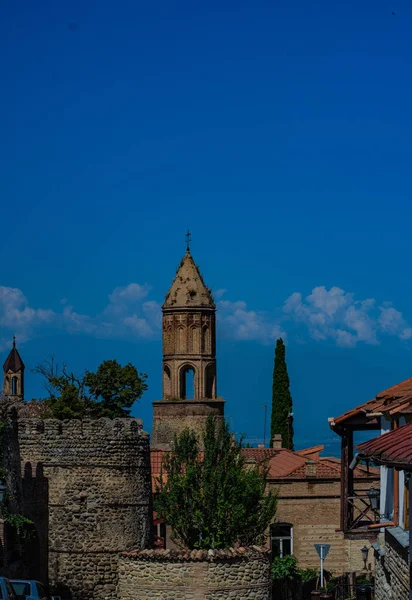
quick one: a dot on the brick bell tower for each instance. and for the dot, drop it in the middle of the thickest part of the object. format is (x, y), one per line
(189, 356)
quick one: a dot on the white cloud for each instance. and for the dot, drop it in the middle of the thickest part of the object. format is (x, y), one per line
(217, 294)
(324, 315)
(243, 324)
(17, 317)
(139, 326)
(126, 314)
(129, 294)
(336, 314)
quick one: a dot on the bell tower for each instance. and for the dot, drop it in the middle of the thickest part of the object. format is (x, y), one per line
(189, 336)
(189, 355)
(13, 379)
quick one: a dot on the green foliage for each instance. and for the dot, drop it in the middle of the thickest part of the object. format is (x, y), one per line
(110, 392)
(21, 523)
(285, 567)
(307, 574)
(213, 500)
(116, 388)
(281, 422)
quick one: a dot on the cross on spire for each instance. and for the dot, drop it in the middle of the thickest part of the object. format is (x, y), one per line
(188, 238)
(14, 341)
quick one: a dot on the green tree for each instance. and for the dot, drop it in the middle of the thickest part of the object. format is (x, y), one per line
(213, 499)
(282, 415)
(110, 392)
(115, 388)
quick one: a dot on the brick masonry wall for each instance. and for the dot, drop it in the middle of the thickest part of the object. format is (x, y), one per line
(170, 417)
(197, 575)
(392, 572)
(312, 507)
(86, 485)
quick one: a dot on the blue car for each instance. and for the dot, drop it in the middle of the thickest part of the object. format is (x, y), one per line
(25, 589)
(6, 590)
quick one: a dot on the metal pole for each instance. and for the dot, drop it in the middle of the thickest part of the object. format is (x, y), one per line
(321, 566)
(264, 427)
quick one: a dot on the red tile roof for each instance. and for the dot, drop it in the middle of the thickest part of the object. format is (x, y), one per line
(282, 463)
(394, 447)
(311, 452)
(395, 399)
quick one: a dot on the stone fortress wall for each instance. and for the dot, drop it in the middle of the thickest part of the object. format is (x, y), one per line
(86, 486)
(242, 574)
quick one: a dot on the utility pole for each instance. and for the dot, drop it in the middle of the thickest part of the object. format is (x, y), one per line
(265, 406)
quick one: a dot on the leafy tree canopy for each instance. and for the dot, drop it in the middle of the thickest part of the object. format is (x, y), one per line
(109, 392)
(213, 499)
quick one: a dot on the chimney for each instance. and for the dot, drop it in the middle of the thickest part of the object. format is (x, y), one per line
(277, 440)
(250, 463)
(261, 445)
(310, 468)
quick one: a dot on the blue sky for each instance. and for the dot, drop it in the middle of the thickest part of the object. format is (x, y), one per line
(278, 132)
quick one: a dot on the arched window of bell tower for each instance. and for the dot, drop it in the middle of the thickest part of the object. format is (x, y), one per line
(14, 385)
(210, 381)
(187, 382)
(167, 382)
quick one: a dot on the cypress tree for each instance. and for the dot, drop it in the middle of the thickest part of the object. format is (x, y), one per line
(282, 419)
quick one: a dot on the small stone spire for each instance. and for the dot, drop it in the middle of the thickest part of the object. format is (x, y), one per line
(188, 288)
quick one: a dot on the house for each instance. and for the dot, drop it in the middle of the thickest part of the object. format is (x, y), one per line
(393, 451)
(308, 487)
(382, 518)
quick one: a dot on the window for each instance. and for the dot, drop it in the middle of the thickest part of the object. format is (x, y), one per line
(187, 382)
(281, 539)
(41, 591)
(14, 386)
(21, 588)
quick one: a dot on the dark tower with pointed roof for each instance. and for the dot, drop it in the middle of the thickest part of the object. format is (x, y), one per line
(189, 356)
(13, 380)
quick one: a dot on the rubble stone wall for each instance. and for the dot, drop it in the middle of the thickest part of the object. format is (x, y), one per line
(392, 571)
(198, 575)
(86, 486)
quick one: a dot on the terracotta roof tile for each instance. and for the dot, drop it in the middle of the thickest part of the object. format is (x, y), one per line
(393, 400)
(311, 452)
(394, 447)
(282, 463)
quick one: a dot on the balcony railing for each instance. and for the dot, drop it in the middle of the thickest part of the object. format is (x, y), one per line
(360, 512)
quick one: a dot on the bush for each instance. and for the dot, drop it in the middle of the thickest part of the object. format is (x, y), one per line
(212, 499)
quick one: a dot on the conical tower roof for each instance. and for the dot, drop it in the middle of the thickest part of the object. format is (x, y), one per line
(13, 362)
(188, 288)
